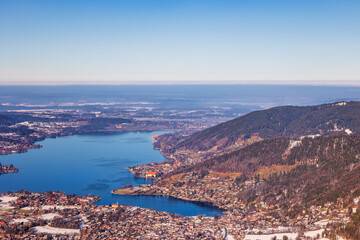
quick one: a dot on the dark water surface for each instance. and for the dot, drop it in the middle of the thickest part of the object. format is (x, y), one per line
(93, 164)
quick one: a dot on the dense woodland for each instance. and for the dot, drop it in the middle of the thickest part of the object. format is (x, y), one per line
(95, 124)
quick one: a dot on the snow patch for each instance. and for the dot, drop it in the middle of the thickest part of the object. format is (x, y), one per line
(314, 233)
(322, 223)
(340, 104)
(49, 216)
(20, 220)
(348, 131)
(294, 144)
(27, 208)
(7, 199)
(5, 202)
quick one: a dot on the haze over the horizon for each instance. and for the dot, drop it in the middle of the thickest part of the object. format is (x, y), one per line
(204, 41)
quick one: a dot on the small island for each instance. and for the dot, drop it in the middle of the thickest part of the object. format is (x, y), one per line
(7, 169)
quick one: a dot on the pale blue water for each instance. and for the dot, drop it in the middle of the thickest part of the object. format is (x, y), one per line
(93, 164)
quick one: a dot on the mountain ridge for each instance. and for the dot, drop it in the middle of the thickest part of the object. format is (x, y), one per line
(287, 121)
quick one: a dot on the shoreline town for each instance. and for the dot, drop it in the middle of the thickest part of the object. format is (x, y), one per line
(29, 215)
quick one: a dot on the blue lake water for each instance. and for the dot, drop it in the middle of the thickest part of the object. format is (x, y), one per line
(93, 164)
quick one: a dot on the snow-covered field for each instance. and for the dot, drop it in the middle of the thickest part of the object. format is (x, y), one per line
(280, 235)
(49, 216)
(53, 230)
(270, 236)
(60, 207)
(5, 202)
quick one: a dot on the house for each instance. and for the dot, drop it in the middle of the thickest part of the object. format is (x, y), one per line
(151, 174)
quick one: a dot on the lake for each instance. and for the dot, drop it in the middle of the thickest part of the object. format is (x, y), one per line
(93, 164)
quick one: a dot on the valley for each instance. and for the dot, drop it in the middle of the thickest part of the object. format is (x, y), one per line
(280, 171)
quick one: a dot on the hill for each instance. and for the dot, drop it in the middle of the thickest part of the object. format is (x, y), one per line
(287, 121)
(314, 170)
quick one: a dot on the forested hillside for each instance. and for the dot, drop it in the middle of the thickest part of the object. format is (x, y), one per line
(317, 170)
(309, 154)
(290, 121)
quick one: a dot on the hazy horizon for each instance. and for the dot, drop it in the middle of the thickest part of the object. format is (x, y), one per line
(155, 83)
(133, 42)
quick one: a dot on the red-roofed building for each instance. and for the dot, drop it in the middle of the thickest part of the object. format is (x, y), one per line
(151, 174)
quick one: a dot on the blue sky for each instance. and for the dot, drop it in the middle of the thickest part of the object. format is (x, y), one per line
(245, 41)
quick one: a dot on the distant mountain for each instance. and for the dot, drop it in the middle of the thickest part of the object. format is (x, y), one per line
(289, 121)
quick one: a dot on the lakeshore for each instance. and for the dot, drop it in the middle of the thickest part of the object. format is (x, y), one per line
(28, 215)
(99, 163)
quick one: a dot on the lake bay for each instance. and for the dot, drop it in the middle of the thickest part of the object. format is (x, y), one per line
(93, 164)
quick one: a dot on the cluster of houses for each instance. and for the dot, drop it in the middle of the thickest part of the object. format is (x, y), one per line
(28, 215)
(14, 143)
(255, 221)
(53, 128)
